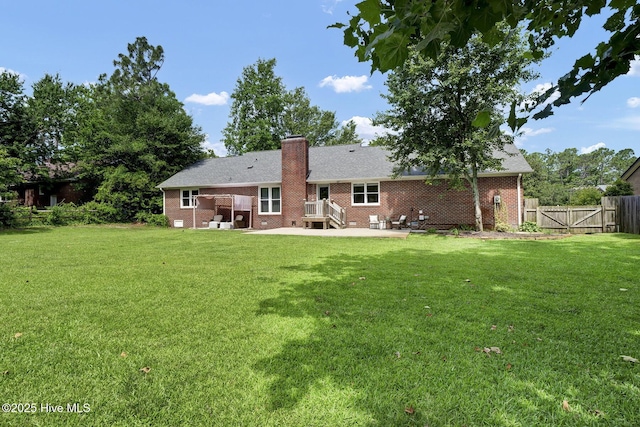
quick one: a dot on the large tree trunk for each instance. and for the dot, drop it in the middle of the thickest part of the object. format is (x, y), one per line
(476, 197)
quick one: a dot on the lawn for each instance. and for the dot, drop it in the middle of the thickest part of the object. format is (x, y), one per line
(136, 326)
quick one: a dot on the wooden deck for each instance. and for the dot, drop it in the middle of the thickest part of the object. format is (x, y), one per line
(308, 221)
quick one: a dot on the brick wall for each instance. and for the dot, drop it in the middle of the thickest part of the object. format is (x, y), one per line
(444, 207)
(206, 209)
(295, 167)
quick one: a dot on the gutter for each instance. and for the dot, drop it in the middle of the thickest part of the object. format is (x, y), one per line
(519, 201)
(164, 203)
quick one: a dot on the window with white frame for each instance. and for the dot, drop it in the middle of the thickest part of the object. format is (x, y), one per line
(188, 197)
(270, 200)
(365, 193)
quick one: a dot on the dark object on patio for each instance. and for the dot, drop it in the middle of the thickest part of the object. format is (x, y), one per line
(239, 222)
(400, 223)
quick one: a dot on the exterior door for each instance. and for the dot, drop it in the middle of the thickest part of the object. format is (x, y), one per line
(323, 192)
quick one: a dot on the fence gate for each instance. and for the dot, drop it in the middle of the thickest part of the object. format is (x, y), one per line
(575, 219)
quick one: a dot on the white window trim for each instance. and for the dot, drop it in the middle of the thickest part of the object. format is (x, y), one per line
(353, 203)
(192, 199)
(260, 211)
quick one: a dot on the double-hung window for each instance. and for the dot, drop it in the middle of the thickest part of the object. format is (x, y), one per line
(365, 193)
(270, 200)
(188, 198)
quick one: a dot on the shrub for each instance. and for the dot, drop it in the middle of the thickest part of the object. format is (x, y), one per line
(619, 188)
(529, 227)
(502, 227)
(7, 215)
(586, 197)
(158, 220)
(61, 214)
(98, 213)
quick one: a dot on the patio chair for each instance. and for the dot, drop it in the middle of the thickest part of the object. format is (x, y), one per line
(401, 222)
(215, 222)
(374, 222)
(239, 222)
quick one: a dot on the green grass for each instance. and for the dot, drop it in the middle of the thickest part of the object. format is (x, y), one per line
(253, 330)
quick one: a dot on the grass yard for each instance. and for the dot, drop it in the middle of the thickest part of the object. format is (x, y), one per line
(161, 327)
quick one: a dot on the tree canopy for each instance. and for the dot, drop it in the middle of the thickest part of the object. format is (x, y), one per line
(558, 176)
(435, 104)
(263, 112)
(385, 31)
(134, 133)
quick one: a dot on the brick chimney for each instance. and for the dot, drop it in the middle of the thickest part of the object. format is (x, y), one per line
(295, 168)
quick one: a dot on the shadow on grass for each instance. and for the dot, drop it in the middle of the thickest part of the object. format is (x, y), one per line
(24, 231)
(399, 334)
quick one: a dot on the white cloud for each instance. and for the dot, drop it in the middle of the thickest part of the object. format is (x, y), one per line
(365, 128)
(527, 132)
(209, 99)
(626, 123)
(328, 6)
(346, 83)
(633, 102)
(587, 150)
(542, 88)
(635, 68)
(10, 71)
(218, 147)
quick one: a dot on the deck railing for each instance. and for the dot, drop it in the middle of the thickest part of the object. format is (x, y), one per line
(315, 209)
(338, 214)
(324, 208)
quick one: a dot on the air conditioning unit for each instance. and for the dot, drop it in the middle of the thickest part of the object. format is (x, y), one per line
(496, 200)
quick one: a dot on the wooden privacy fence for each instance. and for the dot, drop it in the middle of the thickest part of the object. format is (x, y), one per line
(629, 217)
(575, 219)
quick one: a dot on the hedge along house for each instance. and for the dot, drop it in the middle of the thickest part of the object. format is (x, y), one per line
(356, 181)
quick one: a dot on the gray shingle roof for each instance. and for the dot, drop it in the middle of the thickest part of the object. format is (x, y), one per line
(326, 164)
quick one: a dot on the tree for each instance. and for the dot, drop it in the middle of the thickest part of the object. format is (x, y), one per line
(256, 111)
(134, 133)
(346, 135)
(619, 188)
(17, 142)
(435, 103)
(384, 32)
(588, 196)
(556, 175)
(302, 118)
(622, 161)
(263, 112)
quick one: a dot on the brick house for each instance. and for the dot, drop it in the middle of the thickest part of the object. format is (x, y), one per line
(61, 186)
(287, 185)
(632, 176)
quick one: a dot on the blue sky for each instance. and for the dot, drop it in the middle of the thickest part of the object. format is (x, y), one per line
(207, 44)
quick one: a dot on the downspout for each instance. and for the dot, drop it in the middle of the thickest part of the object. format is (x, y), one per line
(164, 203)
(519, 201)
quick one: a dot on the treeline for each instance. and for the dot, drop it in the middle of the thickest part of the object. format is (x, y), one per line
(120, 136)
(568, 177)
(124, 134)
